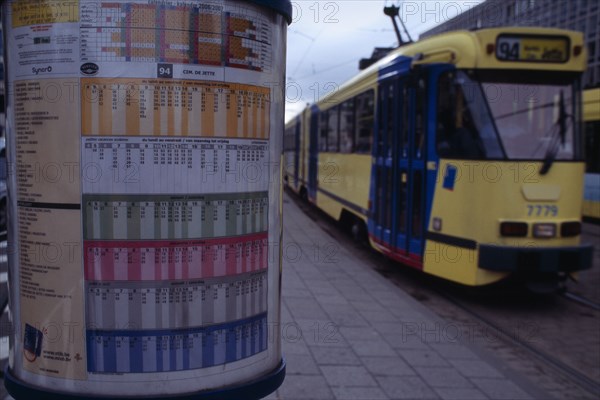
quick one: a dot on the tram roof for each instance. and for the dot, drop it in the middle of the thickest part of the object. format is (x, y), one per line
(466, 50)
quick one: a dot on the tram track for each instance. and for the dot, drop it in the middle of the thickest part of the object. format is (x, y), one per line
(581, 300)
(582, 380)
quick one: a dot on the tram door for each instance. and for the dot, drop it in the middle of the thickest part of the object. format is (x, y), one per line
(413, 162)
(385, 152)
(399, 167)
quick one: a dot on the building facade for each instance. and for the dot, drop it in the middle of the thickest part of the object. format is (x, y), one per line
(579, 15)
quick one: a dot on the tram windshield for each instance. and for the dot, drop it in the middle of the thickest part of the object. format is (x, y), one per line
(507, 115)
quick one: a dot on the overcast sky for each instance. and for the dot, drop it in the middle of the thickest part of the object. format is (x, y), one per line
(327, 39)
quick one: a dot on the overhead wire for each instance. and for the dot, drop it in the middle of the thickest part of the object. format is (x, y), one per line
(327, 69)
(308, 49)
(292, 77)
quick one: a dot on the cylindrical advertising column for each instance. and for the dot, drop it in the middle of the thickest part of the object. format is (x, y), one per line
(144, 143)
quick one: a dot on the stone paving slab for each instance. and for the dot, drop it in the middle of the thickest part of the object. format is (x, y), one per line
(357, 336)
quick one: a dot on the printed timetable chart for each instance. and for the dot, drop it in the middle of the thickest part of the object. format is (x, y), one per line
(175, 186)
(168, 260)
(174, 282)
(175, 304)
(172, 320)
(133, 107)
(138, 351)
(167, 217)
(38, 12)
(172, 32)
(153, 165)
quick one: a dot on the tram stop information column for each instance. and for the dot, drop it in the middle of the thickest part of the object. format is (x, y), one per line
(144, 144)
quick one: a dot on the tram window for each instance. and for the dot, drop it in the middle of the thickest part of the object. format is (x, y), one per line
(420, 119)
(390, 120)
(402, 202)
(381, 110)
(379, 214)
(333, 138)
(464, 128)
(347, 126)
(527, 126)
(365, 116)
(404, 121)
(323, 125)
(389, 204)
(445, 115)
(416, 204)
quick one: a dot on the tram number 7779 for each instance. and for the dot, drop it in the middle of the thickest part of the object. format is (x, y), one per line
(542, 210)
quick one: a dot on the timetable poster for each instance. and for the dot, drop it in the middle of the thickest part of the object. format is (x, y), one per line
(49, 219)
(142, 150)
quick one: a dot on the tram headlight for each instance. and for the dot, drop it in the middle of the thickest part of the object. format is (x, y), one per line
(514, 229)
(568, 229)
(545, 230)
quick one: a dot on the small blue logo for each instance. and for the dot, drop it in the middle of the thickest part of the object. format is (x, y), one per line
(450, 177)
(32, 343)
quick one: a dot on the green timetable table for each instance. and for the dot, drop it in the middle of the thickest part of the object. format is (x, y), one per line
(112, 217)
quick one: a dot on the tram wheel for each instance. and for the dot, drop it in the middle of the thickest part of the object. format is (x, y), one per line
(358, 231)
(304, 195)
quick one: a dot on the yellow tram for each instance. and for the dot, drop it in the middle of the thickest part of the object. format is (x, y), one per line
(460, 155)
(591, 119)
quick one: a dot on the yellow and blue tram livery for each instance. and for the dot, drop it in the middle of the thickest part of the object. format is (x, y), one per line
(460, 155)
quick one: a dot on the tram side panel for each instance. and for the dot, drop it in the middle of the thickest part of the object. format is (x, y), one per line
(343, 135)
(591, 199)
(591, 117)
(343, 181)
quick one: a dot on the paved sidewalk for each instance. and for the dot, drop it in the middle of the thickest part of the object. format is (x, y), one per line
(349, 333)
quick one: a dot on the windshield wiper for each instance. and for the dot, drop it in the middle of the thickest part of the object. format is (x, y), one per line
(525, 110)
(556, 140)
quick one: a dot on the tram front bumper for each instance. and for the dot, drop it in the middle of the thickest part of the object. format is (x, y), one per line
(549, 259)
